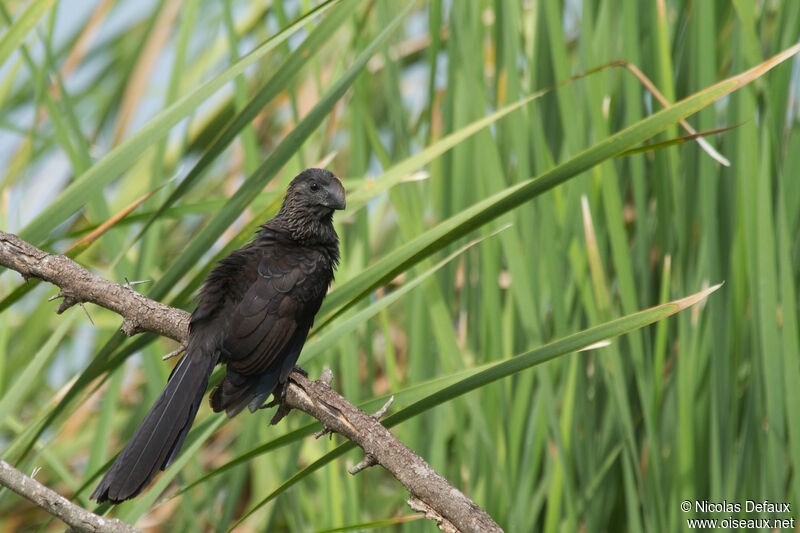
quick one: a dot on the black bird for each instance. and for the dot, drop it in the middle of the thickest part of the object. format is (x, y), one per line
(253, 315)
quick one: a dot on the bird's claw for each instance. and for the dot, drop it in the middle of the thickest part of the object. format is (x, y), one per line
(324, 431)
(300, 371)
(279, 399)
(278, 396)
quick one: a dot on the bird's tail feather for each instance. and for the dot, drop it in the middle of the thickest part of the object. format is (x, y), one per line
(158, 439)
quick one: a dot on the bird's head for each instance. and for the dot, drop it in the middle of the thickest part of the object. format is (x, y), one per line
(316, 193)
(307, 210)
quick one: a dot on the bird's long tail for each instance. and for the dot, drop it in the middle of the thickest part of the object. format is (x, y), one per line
(158, 439)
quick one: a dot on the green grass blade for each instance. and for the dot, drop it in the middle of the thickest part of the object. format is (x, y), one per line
(25, 380)
(15, 35)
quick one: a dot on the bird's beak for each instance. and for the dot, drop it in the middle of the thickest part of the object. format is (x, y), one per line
(336, 195)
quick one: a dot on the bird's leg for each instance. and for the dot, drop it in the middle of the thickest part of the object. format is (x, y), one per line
(279, 394)
(279, 398)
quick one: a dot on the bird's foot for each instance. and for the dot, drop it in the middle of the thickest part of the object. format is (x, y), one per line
(324, 431)
(279, 396)
(279, 399)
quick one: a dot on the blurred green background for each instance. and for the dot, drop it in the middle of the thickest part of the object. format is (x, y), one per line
(211, 107)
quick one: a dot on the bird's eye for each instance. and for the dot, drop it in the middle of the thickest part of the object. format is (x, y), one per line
(314, 186)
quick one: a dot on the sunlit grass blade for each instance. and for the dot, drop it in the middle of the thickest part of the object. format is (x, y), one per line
(574, 342)
(26, 379)
(21, 26)
(651, 147)
(413, 163)
(633, 69)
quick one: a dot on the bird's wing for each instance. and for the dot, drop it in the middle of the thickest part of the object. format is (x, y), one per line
(282, 300)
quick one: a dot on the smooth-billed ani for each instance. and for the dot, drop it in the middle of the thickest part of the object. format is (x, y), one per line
(253, 315)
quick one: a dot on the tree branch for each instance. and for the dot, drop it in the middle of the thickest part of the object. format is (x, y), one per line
(381, 447)
(430, 492)
(73, 515)
(78, 285)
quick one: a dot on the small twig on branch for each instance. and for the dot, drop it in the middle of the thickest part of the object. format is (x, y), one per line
(363, 464)
(73, 515)
(422, 507)
(369, 459)
(430, 492)
(174, 353)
